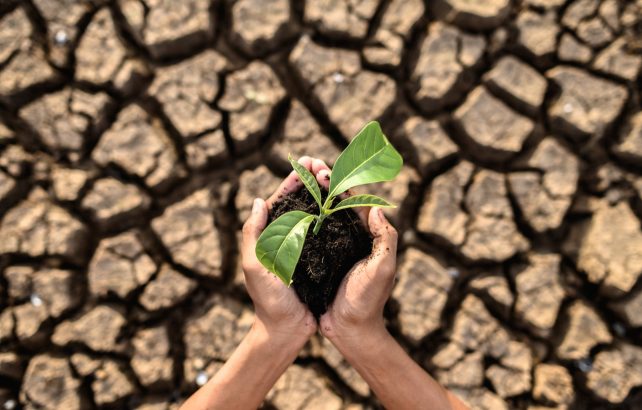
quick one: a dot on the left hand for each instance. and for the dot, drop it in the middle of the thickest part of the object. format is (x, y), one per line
(278, 308)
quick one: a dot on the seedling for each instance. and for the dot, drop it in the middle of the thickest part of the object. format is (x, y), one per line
(367, 159)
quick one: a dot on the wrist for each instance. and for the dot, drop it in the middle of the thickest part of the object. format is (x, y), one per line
(288, 338)
(361, 338)
(260, 359)
(368, 353)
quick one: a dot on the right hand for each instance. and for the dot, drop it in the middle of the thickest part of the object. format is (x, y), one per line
(357, 310)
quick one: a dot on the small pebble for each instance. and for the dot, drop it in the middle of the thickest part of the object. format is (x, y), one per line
(453, 272)
(585, 365)
(408, 236)
(619, 329)
(35, 300)
(338, 78)
(10, 404)
(201, 378)
(61, 38)
(614, 196)
(568, 108)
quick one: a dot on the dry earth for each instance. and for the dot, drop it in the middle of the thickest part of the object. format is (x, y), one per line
(134, 134)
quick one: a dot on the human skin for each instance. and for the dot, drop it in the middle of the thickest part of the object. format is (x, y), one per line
(282, 324)
(353, 323)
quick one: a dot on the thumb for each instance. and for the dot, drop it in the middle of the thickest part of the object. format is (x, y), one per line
(384, 247)
(253, 227)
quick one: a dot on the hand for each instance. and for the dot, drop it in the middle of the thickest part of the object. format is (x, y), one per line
(357, 310)
(277, 307)
(282, 323)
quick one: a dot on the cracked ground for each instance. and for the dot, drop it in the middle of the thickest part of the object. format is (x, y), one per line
(134, 135)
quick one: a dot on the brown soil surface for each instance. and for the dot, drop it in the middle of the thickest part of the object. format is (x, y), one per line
(134, 135)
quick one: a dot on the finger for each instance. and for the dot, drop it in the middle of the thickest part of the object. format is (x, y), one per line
(252, 229)
(306, 161)
(318, 165)
(323, 178)
(291, 183)
(384, 247)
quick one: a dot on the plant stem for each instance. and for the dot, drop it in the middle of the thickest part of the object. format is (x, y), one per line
(326, 204)
(318, 222)
(324, 211)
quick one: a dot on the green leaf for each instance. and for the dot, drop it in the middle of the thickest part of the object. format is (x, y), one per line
(280, 244)
(363, 200)
(369, 158)
(308, 180)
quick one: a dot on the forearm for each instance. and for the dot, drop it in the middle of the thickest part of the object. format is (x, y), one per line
(397, 381)
(249, 374)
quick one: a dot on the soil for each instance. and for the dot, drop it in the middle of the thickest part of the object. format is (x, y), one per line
(189, 158)
(327, 256)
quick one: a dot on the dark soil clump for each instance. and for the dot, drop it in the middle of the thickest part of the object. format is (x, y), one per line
(328, 256)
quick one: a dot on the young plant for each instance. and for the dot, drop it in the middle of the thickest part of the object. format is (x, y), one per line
(369, 158)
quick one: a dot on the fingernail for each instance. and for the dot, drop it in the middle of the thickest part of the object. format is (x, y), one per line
(256, 206)
(303, 159)
(316, 162)
(324, 174)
